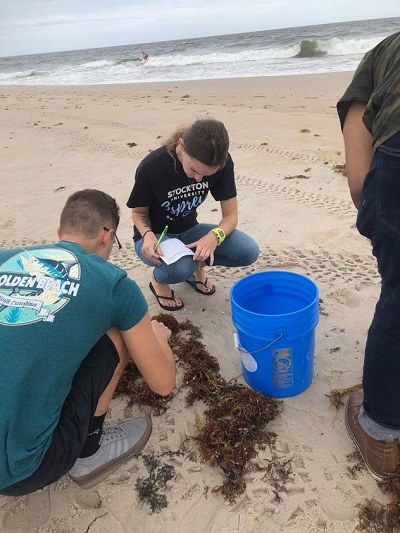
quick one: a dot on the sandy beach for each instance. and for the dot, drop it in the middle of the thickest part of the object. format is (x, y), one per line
(293, 199)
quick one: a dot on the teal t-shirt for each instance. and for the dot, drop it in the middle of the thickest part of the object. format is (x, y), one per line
(56, 302)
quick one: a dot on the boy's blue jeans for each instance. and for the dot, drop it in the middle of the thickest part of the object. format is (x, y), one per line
(238, 249)
(379, 220)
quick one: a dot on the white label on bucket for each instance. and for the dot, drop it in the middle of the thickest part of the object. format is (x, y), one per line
(236, 339)
(248, 361)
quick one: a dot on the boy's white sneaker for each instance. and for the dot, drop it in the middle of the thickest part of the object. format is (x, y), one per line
(117, 444)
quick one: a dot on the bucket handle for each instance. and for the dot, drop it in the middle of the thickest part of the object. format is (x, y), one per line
(238, 347)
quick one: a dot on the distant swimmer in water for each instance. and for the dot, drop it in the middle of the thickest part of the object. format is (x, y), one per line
(144, 57)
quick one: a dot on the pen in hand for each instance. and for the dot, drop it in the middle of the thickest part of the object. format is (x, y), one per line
(164, 231)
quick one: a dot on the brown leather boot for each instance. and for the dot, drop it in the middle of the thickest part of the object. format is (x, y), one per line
(381, 459)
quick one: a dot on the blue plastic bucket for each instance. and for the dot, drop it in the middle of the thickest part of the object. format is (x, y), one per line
(275, 314)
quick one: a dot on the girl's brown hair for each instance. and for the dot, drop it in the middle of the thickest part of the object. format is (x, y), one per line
(206, 140)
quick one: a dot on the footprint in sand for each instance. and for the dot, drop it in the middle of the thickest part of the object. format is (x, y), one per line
(7, 224)
(89, 499)
(346, 297)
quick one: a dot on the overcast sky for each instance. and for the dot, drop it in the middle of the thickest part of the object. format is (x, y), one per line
(35, 26)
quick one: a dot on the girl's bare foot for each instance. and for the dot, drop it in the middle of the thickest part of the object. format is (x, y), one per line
(200, 282)
(165, 296)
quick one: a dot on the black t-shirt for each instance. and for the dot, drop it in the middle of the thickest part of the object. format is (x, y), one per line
(162, 185)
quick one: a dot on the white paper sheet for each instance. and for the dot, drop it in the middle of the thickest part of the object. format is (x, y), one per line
(173, 249)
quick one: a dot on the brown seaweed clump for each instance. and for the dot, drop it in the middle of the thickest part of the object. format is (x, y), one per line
(336, 396)
(233, 432)
(150, 489)
(133, 385)
(278, 474)
(236, 417)
(375, 517)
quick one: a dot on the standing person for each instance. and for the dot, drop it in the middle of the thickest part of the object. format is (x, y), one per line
(69, 322)
(369, 112)
(144, 57)
(170, 184)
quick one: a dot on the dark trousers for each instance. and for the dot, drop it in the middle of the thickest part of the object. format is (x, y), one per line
(379, 220)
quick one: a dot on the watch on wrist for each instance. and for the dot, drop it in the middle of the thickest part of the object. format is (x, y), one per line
(220, 234)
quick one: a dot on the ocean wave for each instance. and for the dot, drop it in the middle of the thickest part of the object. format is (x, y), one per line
(310, 49)
(128, 60)
(305, 48)
(90, 65)
(343, 47)
(221, 57)
(22, 74)
(336, 46)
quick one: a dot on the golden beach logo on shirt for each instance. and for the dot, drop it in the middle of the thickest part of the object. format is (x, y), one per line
(35, 284)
